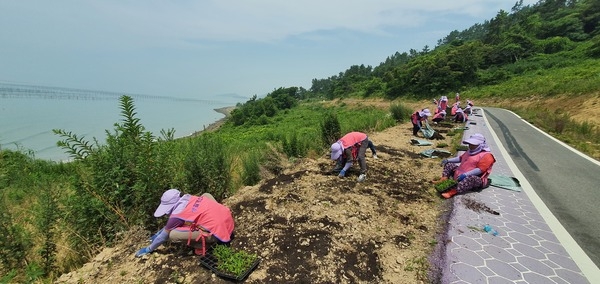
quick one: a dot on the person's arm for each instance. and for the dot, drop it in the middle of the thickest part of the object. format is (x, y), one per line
(453, 160)
(161, 237)
(159, 240)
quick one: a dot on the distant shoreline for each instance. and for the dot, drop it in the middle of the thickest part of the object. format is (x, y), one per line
(217, 124)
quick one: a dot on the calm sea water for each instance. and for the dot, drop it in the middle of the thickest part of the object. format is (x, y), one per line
(27, 119)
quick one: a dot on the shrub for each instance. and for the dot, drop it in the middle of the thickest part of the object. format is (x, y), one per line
(330, 129)
(400, 112)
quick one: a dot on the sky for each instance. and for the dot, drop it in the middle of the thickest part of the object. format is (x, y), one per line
(209, 48)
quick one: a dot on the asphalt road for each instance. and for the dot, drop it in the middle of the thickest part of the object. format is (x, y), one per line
(567, 183)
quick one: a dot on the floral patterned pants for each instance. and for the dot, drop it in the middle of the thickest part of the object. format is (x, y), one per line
(470, 183)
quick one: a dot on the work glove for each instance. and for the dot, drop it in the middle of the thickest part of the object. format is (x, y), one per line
(444, 162)
(342, 173)
(461, 177)
(143, 251)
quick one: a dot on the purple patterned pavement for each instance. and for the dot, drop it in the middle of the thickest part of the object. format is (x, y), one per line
(526, 249)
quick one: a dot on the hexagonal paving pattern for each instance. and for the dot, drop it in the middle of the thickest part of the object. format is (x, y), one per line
(525, 249)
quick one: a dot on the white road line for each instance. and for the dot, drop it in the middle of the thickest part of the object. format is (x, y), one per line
(587, 266)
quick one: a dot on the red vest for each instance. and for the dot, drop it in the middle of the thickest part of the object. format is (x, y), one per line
(208, 215)
(469, 162)
(352, 139)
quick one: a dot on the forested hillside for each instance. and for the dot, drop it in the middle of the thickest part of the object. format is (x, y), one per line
(551, 34)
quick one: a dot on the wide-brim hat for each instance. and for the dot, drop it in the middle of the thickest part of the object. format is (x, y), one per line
(426, 112)
(336, 151)
(167, 202)
(475, 139)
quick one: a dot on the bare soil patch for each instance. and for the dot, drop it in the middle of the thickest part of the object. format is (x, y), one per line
(310, 226)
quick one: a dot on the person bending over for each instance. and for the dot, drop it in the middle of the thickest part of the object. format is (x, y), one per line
(196, 220)
(351, 147)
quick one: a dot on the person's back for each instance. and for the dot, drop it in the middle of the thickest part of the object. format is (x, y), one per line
(438, 117)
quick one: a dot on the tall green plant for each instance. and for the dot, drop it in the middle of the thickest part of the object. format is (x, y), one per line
(13, 242)
(251, 168)
(207, 166)
(117, 180)
(48, 213)
(331, 130)
(400, 112)
(292, 146)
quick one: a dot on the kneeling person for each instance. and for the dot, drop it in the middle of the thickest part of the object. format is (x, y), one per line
(474, 169)
(196, 220)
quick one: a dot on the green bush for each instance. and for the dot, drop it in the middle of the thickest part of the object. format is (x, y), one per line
(207, 166)
(251, 168)
(331, 130)
(400, 112)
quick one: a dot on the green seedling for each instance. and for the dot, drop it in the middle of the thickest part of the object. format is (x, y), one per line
(445, 185)
(233, 262)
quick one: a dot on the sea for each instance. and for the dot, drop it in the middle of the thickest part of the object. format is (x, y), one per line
(29, 113)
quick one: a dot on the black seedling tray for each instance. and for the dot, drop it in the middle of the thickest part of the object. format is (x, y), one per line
(210, 261)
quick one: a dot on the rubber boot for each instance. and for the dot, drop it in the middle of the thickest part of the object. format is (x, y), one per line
(449, 193)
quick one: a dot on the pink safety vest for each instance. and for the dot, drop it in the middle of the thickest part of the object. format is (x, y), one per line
(415, 118)
(454, 108)
(469, 162)
(352, 139)
(208, 215)
(444, 104)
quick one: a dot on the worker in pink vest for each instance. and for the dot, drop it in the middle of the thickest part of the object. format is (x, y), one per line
(439, 117)
(417, 119)
(195, 220)
(460, 116)
(474, 169)
(351, 147)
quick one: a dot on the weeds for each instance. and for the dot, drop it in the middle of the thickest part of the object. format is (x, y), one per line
(418, 265)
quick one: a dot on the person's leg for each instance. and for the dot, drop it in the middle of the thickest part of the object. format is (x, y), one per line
(416, 129)
(361, 156)
(449, 169)
(372, 147)
(468, 184)
(183, 236)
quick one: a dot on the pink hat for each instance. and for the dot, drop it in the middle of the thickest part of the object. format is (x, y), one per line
(336, 150)
(475, 139)
(425, 112)
(167, 202)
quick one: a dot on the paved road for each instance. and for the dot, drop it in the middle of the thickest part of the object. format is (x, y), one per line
(568, 183)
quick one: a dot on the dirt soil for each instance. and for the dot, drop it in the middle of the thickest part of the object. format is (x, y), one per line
(309, 226)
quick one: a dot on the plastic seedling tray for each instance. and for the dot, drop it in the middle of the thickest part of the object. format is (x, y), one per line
(211, 262)
(445, 185)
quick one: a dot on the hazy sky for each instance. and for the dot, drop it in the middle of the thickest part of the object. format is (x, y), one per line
(203, 49)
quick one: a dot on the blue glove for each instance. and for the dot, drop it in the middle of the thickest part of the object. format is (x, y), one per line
(342, 173)
(444, 162)
(142, 251)
(461, 177)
